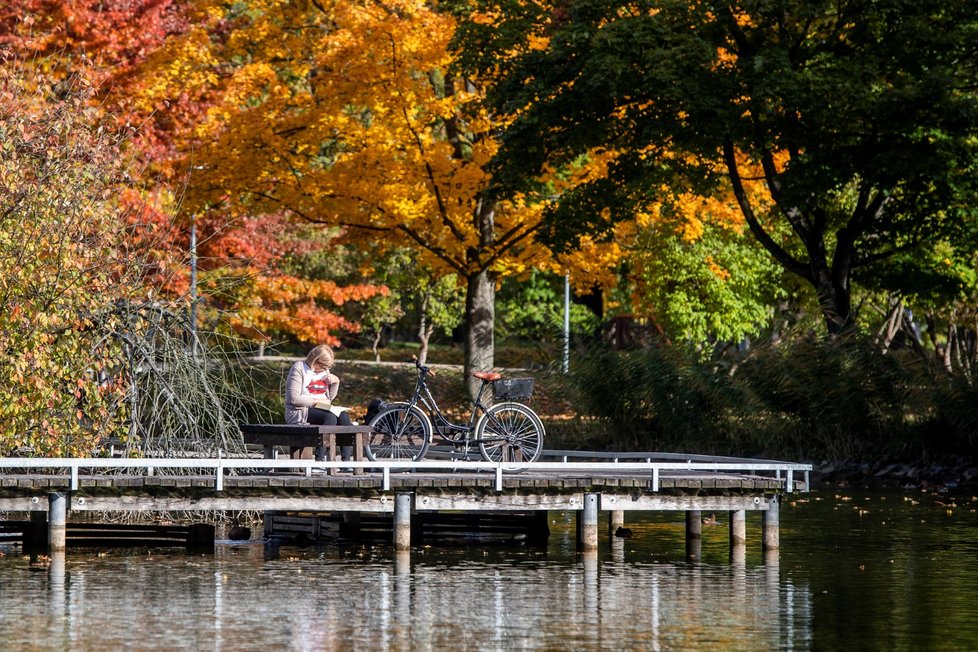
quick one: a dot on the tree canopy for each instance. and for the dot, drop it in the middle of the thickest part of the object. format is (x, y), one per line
(860, 115)
(348, 115)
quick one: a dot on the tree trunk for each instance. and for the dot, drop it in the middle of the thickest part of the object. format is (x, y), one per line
(480, 300)
(424, 329)
(375, 345)
(480, 297)
(424, 335)
(891, 325)
(835, 300)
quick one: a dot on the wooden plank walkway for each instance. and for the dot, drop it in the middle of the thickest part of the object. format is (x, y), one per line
(541, 481)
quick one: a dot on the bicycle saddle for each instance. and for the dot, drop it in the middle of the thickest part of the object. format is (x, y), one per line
(487, 376)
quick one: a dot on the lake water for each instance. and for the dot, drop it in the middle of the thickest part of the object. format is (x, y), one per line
(856, 571)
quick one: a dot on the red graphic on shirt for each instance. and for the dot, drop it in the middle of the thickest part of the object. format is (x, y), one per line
(319, 386)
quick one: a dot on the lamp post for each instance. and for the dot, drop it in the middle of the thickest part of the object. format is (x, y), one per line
(566, 322)
(193, 283)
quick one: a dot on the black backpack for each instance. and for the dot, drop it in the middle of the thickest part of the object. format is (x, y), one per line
(374, 408)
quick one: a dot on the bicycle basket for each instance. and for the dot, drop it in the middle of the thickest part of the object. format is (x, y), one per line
(513, 388)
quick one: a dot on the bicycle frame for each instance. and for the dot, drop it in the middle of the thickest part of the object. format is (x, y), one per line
(501, 431)
(442, 425)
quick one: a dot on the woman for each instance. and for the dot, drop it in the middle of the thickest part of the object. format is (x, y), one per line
(310, 384)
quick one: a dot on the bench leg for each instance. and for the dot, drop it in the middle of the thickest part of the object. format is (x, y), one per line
(358, 452)
(331, 447)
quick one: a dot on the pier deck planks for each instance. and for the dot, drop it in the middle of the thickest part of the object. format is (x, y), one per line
(541, 482)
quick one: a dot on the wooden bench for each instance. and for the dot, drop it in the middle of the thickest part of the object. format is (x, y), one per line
(302, 439)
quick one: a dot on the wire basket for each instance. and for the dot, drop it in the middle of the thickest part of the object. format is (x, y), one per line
(513, 388)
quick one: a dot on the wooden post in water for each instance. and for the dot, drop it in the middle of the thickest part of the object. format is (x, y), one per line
(402, 521)
(588, 524)
(36, 535)
(200, 537)
(738, 537)
(694, 534)
(770, 526)
(351, 526)
(57, 521)
(738, 528)
(616, 519)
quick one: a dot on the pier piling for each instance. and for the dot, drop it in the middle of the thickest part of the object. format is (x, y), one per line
(738, 528)
(770, 526)
(616, 519)
(402, 521)
(694, 534)
(588, 524)
(57, 521)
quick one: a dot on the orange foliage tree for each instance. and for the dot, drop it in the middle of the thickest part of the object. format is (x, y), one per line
(239, 257)
(348, 114)
(249, 286)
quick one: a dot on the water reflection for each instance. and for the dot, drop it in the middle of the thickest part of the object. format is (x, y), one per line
(894, 576)
(256, 597)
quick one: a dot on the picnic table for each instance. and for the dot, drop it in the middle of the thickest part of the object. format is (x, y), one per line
(302, 439)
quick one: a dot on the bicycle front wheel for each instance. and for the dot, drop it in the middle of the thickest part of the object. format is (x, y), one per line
(401, 432)
(509, 432)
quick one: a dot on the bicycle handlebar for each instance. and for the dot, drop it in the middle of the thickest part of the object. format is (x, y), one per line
(421, 367)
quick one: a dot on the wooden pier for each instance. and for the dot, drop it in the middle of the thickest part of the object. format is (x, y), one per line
(614, 483)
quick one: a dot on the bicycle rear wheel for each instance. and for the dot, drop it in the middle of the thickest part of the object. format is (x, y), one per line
(510, 432)
(401, 432)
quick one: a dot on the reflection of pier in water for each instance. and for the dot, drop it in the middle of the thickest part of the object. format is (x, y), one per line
(680, 605)
(596, 601)
(615, 483)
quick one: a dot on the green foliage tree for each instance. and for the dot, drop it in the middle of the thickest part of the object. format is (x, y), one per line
(533, 309)
(439, 305)
(928, 300)
(718, 287)
(861, 118)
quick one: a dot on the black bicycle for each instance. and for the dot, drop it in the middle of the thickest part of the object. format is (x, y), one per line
(503, 429)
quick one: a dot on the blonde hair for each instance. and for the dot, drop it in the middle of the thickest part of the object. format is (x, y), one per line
(321, 353)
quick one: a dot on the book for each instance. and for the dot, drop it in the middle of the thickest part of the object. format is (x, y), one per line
(325, 404)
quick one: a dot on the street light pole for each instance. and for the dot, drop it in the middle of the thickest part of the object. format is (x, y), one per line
(193, 282)
(566, 323)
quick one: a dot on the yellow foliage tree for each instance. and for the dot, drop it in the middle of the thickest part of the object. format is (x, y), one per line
(347, 114)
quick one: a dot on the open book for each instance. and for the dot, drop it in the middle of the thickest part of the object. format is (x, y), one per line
(325, 404)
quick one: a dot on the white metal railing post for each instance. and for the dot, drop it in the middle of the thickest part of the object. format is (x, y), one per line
(655, 479)
(499, 476)
(790, 484)
(386, 483)
(74, 477)
(219, 485)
